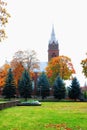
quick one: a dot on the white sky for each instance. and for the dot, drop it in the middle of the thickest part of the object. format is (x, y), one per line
(30, 28)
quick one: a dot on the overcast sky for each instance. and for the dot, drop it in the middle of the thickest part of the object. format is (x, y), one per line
(30, 28)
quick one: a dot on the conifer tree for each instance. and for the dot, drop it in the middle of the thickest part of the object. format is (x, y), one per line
(74, 89)
(85, 94)
(25, 85)
(43, 85)
(59, 88)
(9, 89)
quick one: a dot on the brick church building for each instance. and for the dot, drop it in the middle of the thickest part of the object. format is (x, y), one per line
(53, 51)
(53, 46)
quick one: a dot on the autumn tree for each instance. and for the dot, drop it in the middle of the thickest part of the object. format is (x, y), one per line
(2, 77)
(18, 69)
(28, 59)
(3, 74)
(9, 89)
(25, 85)
(84, 66)
(4, 16)
(60, 65)
(59, 88)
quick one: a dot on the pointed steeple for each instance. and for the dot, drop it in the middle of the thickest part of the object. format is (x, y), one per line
(53, 38)
(53, 46)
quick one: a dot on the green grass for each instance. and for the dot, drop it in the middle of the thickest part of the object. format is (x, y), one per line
(49, 116)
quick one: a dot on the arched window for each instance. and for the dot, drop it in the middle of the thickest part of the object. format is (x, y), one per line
(53, 55)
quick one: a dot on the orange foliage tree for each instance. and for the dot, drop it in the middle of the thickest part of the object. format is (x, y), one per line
(18, 69)
(84, 66)
(24, 59)
(2, 77)
(3, 74)
(60, 65)
(28, 60)
(4, 15)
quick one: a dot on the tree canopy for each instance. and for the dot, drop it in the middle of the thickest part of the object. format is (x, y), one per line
(25, 85)
(84, 66)
(60, 65)
(4, 16)
(3, 73)
(9, 89)
(27, 58)
(43, 85)
(74, 91)
(17, 70)
(59, 88)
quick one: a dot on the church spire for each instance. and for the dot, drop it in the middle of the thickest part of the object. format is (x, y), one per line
(53, 46)
(53, 38)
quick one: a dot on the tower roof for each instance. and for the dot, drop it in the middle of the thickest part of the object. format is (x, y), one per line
(53, 38)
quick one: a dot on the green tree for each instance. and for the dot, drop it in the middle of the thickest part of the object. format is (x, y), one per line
(43, 85)
(59, 88)
(9, 89)
(85, 94)
(74, 91)
(25, 85)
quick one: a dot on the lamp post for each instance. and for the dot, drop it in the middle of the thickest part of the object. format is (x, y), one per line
(40, 91)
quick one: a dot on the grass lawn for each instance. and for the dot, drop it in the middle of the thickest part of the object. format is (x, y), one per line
(49, 116)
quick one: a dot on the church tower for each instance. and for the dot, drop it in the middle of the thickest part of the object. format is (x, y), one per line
(53, 46)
